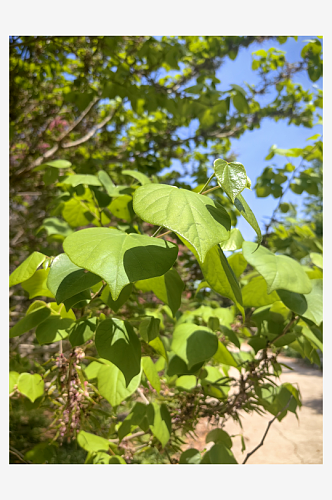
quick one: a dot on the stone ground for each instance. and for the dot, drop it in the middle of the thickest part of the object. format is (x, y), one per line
(289, 441)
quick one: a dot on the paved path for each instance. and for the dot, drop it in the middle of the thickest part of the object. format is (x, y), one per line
(289, 441)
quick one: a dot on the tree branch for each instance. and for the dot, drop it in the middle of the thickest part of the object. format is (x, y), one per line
(267, 430)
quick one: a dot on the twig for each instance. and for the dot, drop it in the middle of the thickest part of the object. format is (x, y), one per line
(19, 455)
(164, 234)
(267, 430)
(207, 183)
(141, 393)
(287, 327)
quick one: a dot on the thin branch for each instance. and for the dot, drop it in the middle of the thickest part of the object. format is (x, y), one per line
(19, 455)
(79, 119)
(267, 430)
(287, 327)
(141, 393)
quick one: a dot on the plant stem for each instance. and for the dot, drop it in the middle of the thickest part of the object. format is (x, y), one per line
(212, 189)
(206, 184)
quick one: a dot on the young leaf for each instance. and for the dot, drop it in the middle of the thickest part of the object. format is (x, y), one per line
(36, 286)
(27, 269)
(279, 271)
(160, 422)
(254, 294)
(149, 331)
(194, 217)
(231, 177)
(142, 178)
(77, 179)
(92, 443)
(151, 372)
(31, 320)
(117, 342)
(119, 258)
(234, 242)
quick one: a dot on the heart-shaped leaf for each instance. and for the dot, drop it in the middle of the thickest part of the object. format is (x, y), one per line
(231, 177)
(193, 343)
(117, 342)
(119, 258)
(279, 271)
(309, 306)
(193, 216)
(112, 384)
(31, 386)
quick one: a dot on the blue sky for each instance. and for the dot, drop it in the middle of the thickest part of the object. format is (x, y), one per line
(253, 146)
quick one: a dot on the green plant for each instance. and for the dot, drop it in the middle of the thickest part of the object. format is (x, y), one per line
(124, 373)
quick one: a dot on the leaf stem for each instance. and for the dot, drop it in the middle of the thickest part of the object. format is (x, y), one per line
(207, 183)
(210, 190)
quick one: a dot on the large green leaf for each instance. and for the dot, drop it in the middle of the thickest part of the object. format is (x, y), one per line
(160, 422)
(231, 177)
(36, 286)
(65, 279)
(116, 341)
(31, 320)
(194, 217)
(246, 212)
(27, 269)
(142, 178)
(234, 242)
(119, 258)
(254, 294)
(220, 276)
(194, 344)
(112, 384)
(279, 271)
(77, 179)
(92, 443)
(167, 288)
(309, 306)
(149, 331)
(31, 386)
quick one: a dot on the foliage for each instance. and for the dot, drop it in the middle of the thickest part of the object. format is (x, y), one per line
(138, 326)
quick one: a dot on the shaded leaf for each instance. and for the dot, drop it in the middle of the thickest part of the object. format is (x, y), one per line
(27, 269)
(194, 344)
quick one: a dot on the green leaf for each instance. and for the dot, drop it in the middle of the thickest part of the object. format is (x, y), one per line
(223, 356)
(167, 288)
(193, 216)
(77, 179)
(306, 331)
(112, 384)
(149, 331)
(151, 373)
(42, 453)
(186, 382)
(132, 420)
(219, 275)
(190, 456)
(120, 207)
(279, 271)
(240, 103)
(90, 442)
(115, 305)
(27, 269)
(254, 294)
(310, 305)
(234, 242)
(194, 344)
(119, 258)
(238, 264)
(82, 331)
(31, 386)
(213, 384)
(231, 177)
(65, 279)
(53, 329)
(13, 378)
(143, 179)
(177, 366)
(317, 259)
(50, 175)
(220, 454)
(219, 436)
(55, 226)
(79, 300)
(54, 163)
(106, 182)
(117, 342)
(31, 320)
(36, 286)
(246, 212)
(159, 422)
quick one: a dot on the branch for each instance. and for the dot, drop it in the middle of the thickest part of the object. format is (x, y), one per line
(267, 430)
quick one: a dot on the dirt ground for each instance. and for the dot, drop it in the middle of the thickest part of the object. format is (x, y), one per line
(289, 441)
